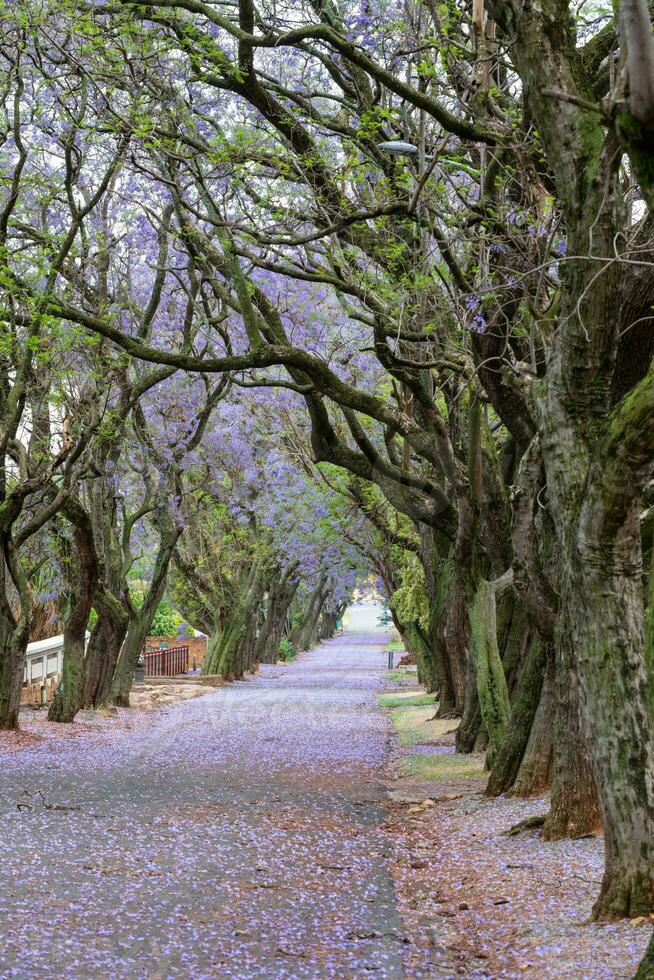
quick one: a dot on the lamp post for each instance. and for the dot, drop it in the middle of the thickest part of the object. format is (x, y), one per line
(401, 148)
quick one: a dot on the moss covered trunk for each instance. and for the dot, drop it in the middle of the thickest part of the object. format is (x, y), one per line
(447, 624)
(607, 611)
(14, 637)
(487, 667)
(513, 750)
(226, 654)
(279, 602)
(69, 695)
(595, 492)
(277, 629)
(646, 967)
(13, 645)
(574, 809)
(102, 654)
(302, 633)
(139, 625)
(417, 642)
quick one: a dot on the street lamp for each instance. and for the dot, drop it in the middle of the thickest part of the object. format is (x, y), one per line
(400, 148)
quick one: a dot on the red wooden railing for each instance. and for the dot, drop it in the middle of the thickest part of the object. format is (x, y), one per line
(166, 663)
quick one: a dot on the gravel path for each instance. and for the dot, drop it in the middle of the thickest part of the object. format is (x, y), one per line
(236, 835)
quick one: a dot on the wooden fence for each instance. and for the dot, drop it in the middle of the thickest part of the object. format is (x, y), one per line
(33, 693)
(167, 662)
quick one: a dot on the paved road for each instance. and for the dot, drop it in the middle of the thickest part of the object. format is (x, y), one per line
(236, 835)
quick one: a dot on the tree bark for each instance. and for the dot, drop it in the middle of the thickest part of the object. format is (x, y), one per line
(534, 772)
(646, 967)
(597, 460)
(487, 666)
(68, 697)
(439, 576)
(277, 617)
(301, 635)
(103, 649)
(417, 642)
(14, 637)
(139, 627)
(13, 645)
(227, 656)
(574, 810)
(595, 492)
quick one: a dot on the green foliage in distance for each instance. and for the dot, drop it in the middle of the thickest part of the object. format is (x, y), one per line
(410, 601)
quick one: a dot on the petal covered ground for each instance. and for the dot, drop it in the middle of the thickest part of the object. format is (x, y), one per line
(248, 834)
(236, 835)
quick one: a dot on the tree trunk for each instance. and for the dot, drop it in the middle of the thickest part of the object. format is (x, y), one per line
(139, 628)
(276, 620)
(271, 618)
(12, 666)
(607, 614)
(602, 596)
(455, 632)
(646, 968)
(574, 810)
(606, 604)
(487, 667)
(439, 575)
(416, 642)
(514, 634)
(69, 695)
(226, 656)
(226, 649)
(249, 647)
(103, 650)
(302, 634)
(313, 631)
(327, 626)
(471, 718)
(534, 774)
(210, 660)
(14, 637)
(512, 748)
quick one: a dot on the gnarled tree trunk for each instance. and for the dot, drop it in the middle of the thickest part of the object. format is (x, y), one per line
(14, 637)
(513, 749)
(574, 809)
(226, 655)
(104, 648)
(139, 626)
(68, 698)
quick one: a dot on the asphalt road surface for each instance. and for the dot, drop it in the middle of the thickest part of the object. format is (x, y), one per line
(236, 835)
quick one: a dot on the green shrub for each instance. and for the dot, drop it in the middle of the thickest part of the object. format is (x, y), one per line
(286, 649)
(166, 620)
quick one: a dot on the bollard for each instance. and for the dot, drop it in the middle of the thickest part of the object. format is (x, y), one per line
(390, 659)
(139, 673)
(44, 694)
